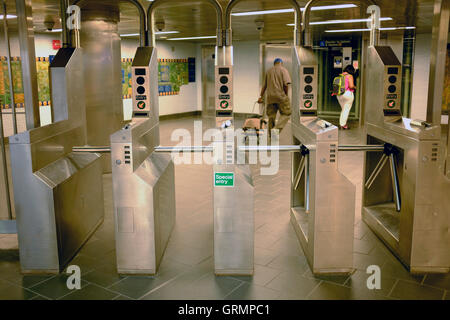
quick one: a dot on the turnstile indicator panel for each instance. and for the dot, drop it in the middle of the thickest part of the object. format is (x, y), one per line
(141, 92)
(224, 96)
(392, 91)
(308, 90)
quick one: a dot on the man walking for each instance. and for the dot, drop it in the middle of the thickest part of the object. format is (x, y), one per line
(276, 84)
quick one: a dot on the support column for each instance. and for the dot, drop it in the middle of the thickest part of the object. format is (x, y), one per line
(28, 58)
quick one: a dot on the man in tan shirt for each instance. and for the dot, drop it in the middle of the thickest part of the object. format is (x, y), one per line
(276, 84)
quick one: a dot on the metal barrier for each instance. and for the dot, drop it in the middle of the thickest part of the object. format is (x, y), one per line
(58, 194)
(406, 205)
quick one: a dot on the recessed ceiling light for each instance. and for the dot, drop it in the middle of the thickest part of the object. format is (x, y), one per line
(363, 30)
(341, 21)
(253, 13)
(193, 38)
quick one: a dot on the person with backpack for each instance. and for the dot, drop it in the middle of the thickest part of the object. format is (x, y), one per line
(344, 89)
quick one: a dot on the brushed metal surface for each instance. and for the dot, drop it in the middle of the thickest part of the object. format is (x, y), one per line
(234, 223)
(28, 58)
(418, 234)
(322, 198)
(144, 207)
(58, 194)
(102, 62)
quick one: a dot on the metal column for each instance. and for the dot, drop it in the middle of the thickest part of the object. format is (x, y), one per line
(28, 58)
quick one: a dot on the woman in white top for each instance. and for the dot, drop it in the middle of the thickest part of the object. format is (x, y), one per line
(346, 99)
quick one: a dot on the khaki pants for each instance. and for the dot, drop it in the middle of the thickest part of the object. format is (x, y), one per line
(285, 114)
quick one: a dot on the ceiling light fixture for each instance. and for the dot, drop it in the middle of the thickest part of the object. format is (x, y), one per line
(8, 16)
(341, 21)
(193, 38)
(333, 7)
(362, 30)
(158, 32)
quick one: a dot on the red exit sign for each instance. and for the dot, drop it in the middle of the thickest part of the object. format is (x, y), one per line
(56, 44)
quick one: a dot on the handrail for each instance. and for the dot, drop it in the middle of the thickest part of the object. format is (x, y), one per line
(154, 4)
(298, 21)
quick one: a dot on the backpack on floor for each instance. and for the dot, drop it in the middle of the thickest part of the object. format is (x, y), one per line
(339, 85)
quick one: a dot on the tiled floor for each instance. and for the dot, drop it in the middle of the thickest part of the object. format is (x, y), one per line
(281, 270)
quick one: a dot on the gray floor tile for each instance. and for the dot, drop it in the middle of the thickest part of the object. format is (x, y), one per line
(136, 286)
(91, 292)
(262, 275)
(10, 291)
(338, 279)
(248, 291)
(293, 284)
(104, 276)
(331, 291)
(406, 290)
(394, 269)
(438, 280)
(358, 280)
(55, 287)
(292, 263)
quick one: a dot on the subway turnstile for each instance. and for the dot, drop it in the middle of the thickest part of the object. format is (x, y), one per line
(405, 196)
(143, 180)
(322, 198)
(232, 184)
(58, 194)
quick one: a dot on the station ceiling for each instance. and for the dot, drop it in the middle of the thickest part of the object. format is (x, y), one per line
(198, 17)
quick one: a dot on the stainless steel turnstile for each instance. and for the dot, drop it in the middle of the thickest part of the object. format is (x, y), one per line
(58, 194)
(322, 199)
(405, 194)
(232, 183)
(143, 180)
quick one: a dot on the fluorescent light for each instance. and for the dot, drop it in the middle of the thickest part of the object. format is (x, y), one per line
(56, 30)
(130, 35)
(341, 21)
(194, 38)
(159, 32)
(166, 32)
(361, 30)
(8, 16)
(253, 13)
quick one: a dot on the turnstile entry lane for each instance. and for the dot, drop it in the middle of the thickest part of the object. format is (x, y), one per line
(232, 182)
(405, 193)
(322, 198)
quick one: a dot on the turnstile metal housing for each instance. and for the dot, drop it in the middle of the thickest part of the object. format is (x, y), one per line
(413, 219)
(234, 226)
(234, 223)
(58, 194)
(143, 181)
(322, 199)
